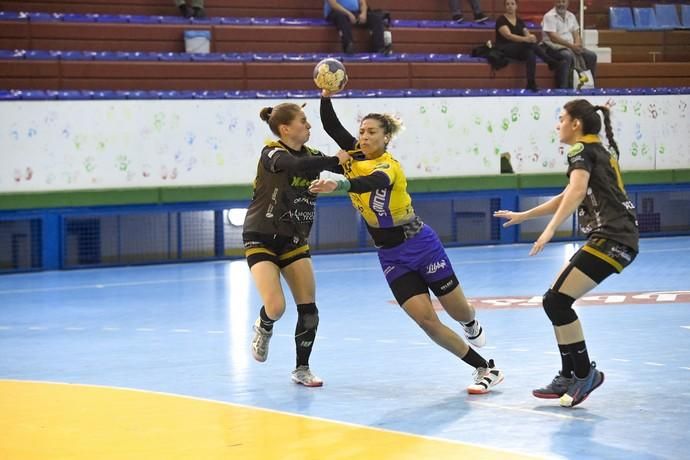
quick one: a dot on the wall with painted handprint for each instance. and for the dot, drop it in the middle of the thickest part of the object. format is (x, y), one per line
(73, 145)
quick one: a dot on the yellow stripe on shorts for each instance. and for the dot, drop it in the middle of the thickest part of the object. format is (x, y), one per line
(252, 251)
(604, 257)
(294, 252)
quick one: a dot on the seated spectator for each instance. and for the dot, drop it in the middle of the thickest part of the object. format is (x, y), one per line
(561, 37)
(516, 42)
(479, 17)
(346, 13)
(196, 11)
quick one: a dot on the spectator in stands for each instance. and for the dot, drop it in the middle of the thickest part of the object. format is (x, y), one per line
(479, 16)
(516, 42)
(196, 11)
(561, 38)
(276, 230)
(346, 13)
(410, 252)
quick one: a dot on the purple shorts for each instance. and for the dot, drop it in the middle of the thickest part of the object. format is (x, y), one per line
(423, 253)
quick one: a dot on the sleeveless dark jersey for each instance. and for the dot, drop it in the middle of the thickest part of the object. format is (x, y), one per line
(606, 210)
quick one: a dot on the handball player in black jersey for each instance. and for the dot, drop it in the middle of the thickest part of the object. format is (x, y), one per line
(276, 230)
(411, 255)
(606, 215)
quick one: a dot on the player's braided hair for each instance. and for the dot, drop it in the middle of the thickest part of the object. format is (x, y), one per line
(582, 110)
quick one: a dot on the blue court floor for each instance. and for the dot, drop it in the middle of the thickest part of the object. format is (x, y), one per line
(185, 329)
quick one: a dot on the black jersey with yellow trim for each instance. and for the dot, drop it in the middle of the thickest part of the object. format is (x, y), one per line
(281, 203)
(606, 210)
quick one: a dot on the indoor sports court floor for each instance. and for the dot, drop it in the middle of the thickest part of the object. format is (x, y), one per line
(153, 362)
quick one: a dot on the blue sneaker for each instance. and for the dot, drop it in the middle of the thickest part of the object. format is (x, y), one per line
(579, 389)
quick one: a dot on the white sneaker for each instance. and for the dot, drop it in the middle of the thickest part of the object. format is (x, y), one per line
(485, 378)
(303, 376)
(475, 334)
(260, 341)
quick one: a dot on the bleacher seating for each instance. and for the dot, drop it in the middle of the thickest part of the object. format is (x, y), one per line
(66, 48)
(620, 17)
(667, 16)
(685, 16)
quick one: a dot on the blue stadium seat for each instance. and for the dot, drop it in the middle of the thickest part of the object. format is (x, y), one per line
(238, 57)
(207, 57)
(440, 57)
(419, 92)
(75, 17)
(304, 22)
(307, 57)
(667, 16)
(620, 17)
(450, 92)
(77, 55)
(304, 94)
(140, 19)
(13, 16)
(236, 21)
(41, 55)
(213, 94)
(105, 56)
(685, 16)
(428, 24)
(405, 23)
(44, 17)
(377, 57)
(413, 57)
(270, 94)
(268, 57)
(34, 94)
(359, 57)
(175, 57)
(175, 94)
(645, 19)
(8, 95)
(12, 54)
(390, 93)
(239, 94)
(265, 21)
(358, 93)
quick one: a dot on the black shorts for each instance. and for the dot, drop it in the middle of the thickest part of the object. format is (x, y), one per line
(411, 284)
(601, 257)
(281, 250)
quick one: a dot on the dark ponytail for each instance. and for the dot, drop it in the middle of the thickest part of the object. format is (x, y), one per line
(582, 110)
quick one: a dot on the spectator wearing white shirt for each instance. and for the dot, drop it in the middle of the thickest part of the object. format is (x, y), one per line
(561, 35)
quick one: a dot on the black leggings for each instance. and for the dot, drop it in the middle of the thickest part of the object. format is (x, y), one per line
(527, 52)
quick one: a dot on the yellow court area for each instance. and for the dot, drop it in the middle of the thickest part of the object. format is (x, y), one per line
(59, 421)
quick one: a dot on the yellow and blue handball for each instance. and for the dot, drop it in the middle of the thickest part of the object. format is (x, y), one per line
(330, 74)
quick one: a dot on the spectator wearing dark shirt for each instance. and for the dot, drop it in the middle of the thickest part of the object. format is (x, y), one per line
(196, 11)
(516, 42)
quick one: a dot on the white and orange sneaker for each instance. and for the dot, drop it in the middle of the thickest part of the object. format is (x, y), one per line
(303, 376)
(485, 378)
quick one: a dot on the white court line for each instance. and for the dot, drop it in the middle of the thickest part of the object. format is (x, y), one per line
(686, 327)
(649, 363)
(621, 360)
(180, 330)
(686, 368)
(5, 328)
(531, 411)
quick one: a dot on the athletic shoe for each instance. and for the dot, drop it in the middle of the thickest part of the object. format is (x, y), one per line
(579, 389)
(475, 334)
(458, 18)
(485, 378)
(303, 376)
(260, 341)
(480, 18)
(557, 388)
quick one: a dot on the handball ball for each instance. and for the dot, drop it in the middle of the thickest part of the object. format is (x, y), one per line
(330, 74)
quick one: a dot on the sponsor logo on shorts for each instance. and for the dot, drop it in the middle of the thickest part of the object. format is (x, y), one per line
(388, 269)
(436, 266)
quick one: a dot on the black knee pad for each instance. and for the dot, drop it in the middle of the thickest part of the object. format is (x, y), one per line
(559, 308)
(308, 315)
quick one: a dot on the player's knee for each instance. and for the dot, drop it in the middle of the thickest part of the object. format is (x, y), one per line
(308, 315)
(559, 308)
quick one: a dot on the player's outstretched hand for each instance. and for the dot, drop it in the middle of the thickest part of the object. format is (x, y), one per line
(544, 238)
(513, 218)
(323, 186)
